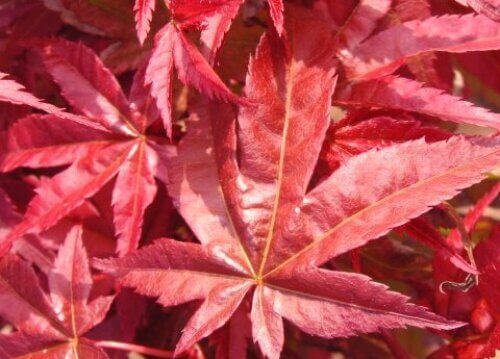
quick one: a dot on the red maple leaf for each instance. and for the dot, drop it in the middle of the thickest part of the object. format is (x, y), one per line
(243, 189)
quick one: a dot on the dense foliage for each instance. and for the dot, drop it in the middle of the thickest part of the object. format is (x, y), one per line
(231, 178)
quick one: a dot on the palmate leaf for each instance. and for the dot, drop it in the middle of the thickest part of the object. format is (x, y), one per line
(173, 49)
(213, 18)
(263, 234)
(170, 269)
(122, 149)
(51, 326)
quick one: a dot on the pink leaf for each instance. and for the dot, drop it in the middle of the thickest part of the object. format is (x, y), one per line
(443, 169)
(159, 74)
(216, 28)
(172, 47)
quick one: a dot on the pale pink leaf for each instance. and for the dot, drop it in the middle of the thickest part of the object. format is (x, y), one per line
(216, 28)
(26, 306)
(143, 14)
(383, 53)
(159, 74)
(409, 95)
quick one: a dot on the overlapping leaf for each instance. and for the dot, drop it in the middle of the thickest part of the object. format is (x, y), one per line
(14, 92)
(368, 65)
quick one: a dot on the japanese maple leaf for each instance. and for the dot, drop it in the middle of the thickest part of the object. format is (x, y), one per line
(369, 60)
(118, 147)
(243, 190)
(352, 135)
(51, 325)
